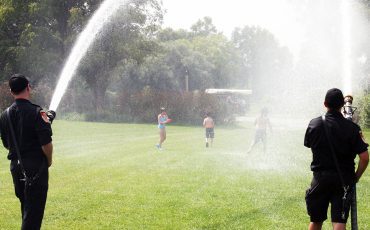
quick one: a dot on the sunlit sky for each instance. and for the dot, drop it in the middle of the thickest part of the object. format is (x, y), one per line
(278, 16)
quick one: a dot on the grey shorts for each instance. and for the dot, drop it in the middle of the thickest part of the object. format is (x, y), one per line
(210, 133)
(260, 135)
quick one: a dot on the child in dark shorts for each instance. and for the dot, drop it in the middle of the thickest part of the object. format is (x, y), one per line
(261, 123)
(209, 124)
(210, 133)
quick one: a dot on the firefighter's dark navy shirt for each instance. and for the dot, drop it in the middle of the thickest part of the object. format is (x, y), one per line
(346, 138)
(31, 129)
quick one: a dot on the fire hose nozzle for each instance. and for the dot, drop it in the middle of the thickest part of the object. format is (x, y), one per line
(51, 115)
(348, 98)
(348, 110)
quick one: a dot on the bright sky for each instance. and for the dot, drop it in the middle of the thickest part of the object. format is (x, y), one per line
(277, 16)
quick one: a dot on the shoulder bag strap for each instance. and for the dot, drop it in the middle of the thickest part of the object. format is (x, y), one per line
(332, 150)
(11, 129)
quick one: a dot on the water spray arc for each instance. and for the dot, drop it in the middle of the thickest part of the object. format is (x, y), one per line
(107, 9)
(346, 41)
(347, 86)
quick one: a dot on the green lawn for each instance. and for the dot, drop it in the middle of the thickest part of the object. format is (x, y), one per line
(111, 176)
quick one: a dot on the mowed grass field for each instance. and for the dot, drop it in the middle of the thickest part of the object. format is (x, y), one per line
(111, 176)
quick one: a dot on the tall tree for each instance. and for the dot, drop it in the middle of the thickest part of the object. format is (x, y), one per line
(204, 27)
(129, 37)
(35, 35)
(265, 61)
(14, 19)
(223, 57)
(198, 63)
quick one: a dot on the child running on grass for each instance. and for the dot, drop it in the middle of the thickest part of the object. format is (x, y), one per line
(209, 125)
(162, 121)
(261, 123)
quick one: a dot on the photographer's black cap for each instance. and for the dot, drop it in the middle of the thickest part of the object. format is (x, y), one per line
(17, 83)
(334, 98)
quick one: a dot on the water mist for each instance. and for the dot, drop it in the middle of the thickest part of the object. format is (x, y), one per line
(346, 40)
(86, 38)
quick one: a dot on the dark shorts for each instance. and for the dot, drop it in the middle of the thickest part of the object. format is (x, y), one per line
(326, 188)
(210, 133)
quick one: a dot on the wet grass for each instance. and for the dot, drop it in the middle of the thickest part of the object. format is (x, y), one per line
(111, 176)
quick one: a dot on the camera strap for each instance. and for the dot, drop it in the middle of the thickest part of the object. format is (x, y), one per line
(28, 180)
(14, 139)
(332, 150)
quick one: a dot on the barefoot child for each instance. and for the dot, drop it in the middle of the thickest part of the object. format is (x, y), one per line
(209, 125)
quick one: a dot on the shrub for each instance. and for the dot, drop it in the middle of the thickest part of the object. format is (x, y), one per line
(364, 110)
(40, 95)
(144, 106)
(182, 107)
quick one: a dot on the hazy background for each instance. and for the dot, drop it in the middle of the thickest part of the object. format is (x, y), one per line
(159, 53)
(149, 55)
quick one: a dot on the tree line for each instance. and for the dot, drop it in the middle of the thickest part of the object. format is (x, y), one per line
(135, 55)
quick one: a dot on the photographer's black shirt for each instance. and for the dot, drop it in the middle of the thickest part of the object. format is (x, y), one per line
(346, 138)
(32, 129)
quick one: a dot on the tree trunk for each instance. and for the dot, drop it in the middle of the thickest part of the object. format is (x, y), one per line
(99, 96)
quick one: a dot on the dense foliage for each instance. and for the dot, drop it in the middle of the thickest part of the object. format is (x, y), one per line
(364, 108)
(133, 60)
(135, 54)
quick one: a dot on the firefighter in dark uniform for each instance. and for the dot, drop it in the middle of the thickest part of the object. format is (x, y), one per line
(326, 186)
(32, 129)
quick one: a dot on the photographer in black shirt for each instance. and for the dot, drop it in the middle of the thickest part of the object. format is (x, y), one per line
(347, 141)
(26, 132)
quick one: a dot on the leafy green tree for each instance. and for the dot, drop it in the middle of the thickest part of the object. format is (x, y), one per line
(130, 38)
(36, 35)
(169, 69)
(364, 109)
(204, 27)
(198, 62)
(225, 71)
(14, 18)
(185, 63)
(69, 18)
(169, 34)
(266, 63)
